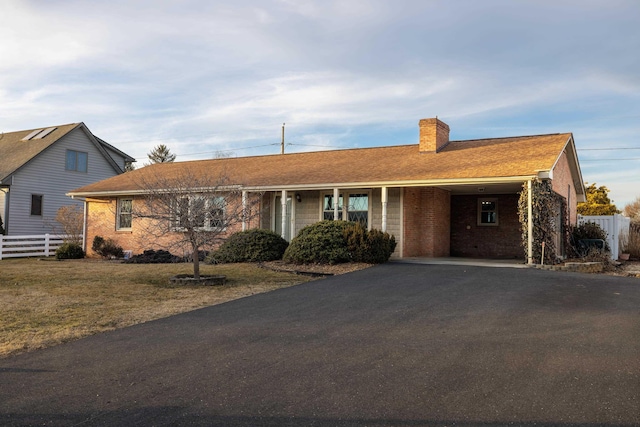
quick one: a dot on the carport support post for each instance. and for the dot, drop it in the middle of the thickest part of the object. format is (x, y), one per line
(529, 224)
(385, 197)
(244, 211)
(336, 198)
(283, 206)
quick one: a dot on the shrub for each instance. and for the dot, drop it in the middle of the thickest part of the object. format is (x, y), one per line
(1, 226)
(372, 247)
(323, 243)
(154, 257)
(250, 246)
(332, 242)
(107, 248)
(630, 243)
(69, 251)
(587, 230)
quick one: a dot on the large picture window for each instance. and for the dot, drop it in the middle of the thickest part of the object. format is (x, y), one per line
(488, 211)
(125, 213)
(199, 212)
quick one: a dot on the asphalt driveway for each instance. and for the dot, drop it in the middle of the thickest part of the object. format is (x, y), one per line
(393, 345)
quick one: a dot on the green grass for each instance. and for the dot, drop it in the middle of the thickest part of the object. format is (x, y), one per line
(47, 302)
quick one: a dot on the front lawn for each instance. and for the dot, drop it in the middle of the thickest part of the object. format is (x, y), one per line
(47, 302)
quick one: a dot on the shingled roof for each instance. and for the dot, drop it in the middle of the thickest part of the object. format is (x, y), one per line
(18, 148)
(498, 159)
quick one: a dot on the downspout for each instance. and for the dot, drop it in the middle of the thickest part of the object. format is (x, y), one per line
(529, 224)
(84, 225)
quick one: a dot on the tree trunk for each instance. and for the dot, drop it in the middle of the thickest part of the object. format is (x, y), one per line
(196, 263)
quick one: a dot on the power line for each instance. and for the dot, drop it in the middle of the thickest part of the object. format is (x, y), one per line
(608, 160)
(607, 149)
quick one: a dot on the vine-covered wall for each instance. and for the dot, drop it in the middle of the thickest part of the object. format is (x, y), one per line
(550, 221)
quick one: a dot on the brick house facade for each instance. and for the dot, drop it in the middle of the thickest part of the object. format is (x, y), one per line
(439, 198)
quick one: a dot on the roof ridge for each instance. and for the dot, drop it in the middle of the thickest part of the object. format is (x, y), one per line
(511, 137)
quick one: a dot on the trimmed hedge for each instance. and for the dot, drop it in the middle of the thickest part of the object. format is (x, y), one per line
(69, 251)
(333, 242)
(254, 245)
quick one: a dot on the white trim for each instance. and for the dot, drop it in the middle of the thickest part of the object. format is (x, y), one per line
(325, 186)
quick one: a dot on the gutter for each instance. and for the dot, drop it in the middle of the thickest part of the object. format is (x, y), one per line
(324, 186)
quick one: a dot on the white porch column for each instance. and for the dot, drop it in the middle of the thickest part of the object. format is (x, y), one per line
(85, 216)
(385, 197)
(244, 211)
(336, 198)
(529, 224)
(283, 207)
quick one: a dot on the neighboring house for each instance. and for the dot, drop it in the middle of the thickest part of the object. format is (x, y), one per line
(438, 197)
(39, 166)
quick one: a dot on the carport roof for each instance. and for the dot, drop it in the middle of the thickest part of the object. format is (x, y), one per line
(482, 160)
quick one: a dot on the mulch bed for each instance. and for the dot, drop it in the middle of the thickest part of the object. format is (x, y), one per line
(318, 270)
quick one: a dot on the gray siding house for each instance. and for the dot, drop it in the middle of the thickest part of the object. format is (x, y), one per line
(39, 166)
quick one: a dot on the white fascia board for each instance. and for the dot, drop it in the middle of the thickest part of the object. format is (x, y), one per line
(323, 186)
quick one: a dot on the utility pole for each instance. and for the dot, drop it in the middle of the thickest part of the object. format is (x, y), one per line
(282, 143)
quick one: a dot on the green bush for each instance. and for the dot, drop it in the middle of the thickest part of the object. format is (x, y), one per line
(254, 245)
(107, 248)
(322, 243)
(333, 242)
(372, 247)
(69, 251)
(587, 230)
(1, 226)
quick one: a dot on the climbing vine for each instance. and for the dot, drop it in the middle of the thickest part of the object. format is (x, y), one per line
(549, 215)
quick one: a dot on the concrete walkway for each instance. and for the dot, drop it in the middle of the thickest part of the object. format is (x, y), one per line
(477, 262)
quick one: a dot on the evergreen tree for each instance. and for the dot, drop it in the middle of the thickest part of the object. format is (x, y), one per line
(161, 154)
(598, 202)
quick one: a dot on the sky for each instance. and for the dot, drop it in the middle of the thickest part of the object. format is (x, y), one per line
(219, 78)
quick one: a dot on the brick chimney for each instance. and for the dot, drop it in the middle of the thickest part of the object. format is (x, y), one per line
(434, 134)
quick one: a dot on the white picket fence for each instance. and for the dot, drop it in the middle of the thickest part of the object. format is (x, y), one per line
(614, 225)
(29, 246)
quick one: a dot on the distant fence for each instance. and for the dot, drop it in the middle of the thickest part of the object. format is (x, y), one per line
(29, 246)
(614, 225)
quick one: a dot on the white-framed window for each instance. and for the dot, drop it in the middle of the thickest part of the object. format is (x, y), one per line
(77, 161)
(488, 211)
(125, 214)
(352, 206)
(199, 212)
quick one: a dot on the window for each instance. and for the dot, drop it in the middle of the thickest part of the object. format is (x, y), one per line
(36, 204)
(125, 213)
(328, 207)
(76, 161)
(487, 211)
(355, 208)
(200, 212)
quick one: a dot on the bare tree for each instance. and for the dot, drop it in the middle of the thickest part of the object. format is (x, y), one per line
(632, 210)
(191, 211)
(68, 222)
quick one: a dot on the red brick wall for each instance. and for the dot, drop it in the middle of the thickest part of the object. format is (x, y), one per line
(563, 184)
(426, 222)
(101, 221)
(468, 239)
